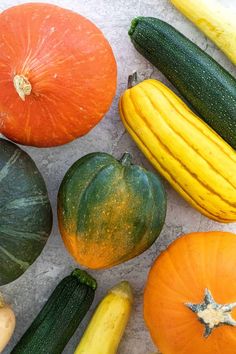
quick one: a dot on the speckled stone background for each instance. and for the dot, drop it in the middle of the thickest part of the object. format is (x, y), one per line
(29, 293)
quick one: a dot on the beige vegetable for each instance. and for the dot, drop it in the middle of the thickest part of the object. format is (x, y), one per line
(7, 323)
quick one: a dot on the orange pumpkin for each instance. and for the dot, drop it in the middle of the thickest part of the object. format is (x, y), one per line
(190, 296)
(57, 75)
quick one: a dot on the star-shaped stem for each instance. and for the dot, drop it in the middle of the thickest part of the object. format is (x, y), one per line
(211, 314)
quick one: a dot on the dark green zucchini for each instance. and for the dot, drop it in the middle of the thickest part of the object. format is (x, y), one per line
(206, 85)
(60, 316)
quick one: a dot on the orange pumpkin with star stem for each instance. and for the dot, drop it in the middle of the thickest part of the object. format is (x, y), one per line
(190, 296)
(57, 75)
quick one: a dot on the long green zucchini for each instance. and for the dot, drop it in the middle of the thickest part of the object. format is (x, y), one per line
(206, 85)
(60, 317)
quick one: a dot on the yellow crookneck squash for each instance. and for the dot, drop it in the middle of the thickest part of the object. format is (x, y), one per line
(216, 20)
(195, 160)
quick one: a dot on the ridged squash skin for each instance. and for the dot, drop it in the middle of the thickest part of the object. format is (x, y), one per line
(25, 212)
(205, 84)
(58, 74)
(215, 20)
(180, 275)
(109, 211)
(196, 161)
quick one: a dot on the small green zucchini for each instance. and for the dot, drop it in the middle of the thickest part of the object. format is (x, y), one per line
(205, 84)
(60, 316)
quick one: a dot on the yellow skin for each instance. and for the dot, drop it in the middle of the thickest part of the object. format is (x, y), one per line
(108, 323)
(216, 21)
(196, 161)
(7, 323)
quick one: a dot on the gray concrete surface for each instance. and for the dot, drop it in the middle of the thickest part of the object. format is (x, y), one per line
(29, 293)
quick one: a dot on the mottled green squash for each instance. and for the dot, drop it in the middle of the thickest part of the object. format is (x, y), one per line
(109, 211)
(25, 212)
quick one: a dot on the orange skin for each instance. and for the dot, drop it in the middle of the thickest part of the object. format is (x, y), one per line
(86, 257)
(101, 253)
(71, 69)
(180, 274)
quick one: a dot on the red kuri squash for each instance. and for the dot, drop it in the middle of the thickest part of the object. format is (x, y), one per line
(57, 75)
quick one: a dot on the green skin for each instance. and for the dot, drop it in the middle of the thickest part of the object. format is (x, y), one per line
(25, 212)
(61, 315)
(207, 86)
(102, 200)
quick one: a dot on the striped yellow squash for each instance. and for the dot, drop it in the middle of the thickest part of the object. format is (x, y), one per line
(215, 20)
(196, 161)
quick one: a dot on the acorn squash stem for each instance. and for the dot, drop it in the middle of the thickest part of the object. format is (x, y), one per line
(126, 159)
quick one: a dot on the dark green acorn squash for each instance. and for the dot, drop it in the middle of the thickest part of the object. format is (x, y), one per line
(109, 211)
(25, 212)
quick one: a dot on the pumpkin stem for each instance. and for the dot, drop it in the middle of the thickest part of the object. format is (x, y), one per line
(22, 85)
(211, 314)
(132, 80)
(126, 159)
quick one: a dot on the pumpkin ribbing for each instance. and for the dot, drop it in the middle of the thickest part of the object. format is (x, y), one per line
(179, 276)
(58, 75)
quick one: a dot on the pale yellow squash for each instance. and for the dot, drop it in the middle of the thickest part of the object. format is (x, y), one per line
(218, 22)
(196, 161)
(106, 328)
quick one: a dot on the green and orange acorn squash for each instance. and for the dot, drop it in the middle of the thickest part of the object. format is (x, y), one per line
(109, 211)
